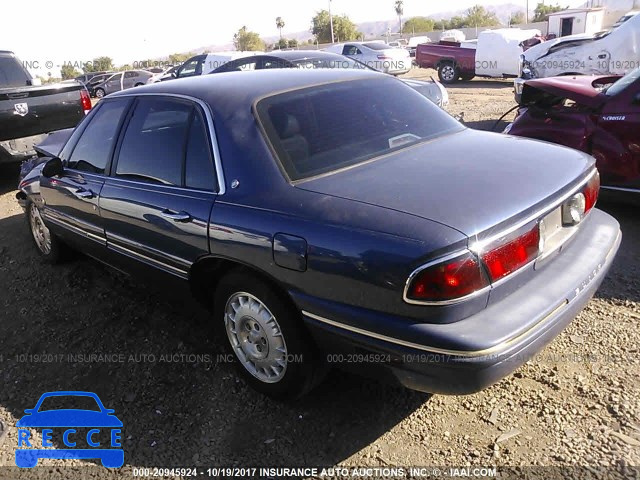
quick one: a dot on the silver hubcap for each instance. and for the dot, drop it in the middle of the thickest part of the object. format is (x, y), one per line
(448, 72)
(256, 337)
(99, 93)
(40, 232)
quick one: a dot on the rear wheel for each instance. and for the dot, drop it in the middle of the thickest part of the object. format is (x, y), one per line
(264, 330)
(99, 92)
(50, 248)
(448, 72)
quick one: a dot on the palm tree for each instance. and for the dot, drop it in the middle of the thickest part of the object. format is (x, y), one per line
(280, 25)
(399, 11)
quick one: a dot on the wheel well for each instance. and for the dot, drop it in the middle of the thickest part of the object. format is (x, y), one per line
(445, 61)
(207, 272)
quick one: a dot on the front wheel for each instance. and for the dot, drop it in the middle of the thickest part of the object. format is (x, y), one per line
(50, 248)
(274, 354)
(99, 92)
(448, 72)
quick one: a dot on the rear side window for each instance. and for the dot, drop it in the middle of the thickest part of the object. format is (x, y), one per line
(199, 171)
(153, 145)
(93, 150)
(11, 73)
(323, 128)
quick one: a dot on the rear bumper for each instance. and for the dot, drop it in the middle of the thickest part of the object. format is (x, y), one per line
(436, 358)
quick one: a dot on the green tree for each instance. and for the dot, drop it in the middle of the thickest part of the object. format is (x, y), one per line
(542, 11)
(68, 71)
(280, 25)
(344, 29)
(98, 64)
(246, 40)
(518, 18)
(282, 43)
(478, 16)
(399, 8)
(178, 58)
(418, 24)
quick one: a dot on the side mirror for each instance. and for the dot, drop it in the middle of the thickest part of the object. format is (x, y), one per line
(53, 168)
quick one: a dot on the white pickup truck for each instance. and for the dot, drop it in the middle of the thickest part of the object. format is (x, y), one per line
(615, 51)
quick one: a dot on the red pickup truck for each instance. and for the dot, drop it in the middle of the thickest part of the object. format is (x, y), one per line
(496, 53)
(450, 59)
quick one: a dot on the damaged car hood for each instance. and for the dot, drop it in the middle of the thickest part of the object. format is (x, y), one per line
(581, 89)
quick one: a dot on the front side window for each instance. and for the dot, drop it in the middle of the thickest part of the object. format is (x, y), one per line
(324, 128)
(188, 69)
(153, 146)
(351, 50)
(93, 150)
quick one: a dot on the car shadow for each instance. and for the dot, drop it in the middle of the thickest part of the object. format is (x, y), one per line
(151, 356)
(9, 177)
(621, 284)
(487, 125)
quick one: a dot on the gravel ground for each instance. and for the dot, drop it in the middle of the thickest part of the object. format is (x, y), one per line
(574, 405)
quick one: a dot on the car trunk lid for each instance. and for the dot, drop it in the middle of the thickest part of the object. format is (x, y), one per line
(471, 181)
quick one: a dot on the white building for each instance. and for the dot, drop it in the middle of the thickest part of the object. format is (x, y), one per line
(613, 9)
(577, 20)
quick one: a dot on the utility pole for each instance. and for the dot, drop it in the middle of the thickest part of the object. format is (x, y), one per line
(333, 40)
(526, 12)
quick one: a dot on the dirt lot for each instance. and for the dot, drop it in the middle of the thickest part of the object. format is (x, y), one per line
(575, 405)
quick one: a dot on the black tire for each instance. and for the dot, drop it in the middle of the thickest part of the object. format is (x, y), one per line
(54, 251)
(100, 93)
(448, 73)
(303, 369)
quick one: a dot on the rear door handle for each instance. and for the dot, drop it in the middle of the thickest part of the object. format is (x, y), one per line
(82, 193)
(176, 217)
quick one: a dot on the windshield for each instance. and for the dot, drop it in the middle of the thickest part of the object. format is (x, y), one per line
(324, 128)
(624, 82)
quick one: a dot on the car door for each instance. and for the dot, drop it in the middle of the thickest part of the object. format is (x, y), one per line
(71, 201)
(616, 145)
(114, 84)
(129, 80)
(157, 202)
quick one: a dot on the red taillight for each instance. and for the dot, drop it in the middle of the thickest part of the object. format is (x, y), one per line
(591, 192)
(86, 101)
(509, 257)
(448, 280)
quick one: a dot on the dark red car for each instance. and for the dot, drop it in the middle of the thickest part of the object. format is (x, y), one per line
(599, 115)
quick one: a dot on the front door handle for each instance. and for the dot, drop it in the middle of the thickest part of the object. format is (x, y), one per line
(176, 217)
(82, 193)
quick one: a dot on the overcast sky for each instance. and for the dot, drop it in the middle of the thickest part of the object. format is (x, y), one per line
(76, 31)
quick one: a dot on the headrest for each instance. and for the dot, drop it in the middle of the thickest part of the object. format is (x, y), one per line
(285, 124)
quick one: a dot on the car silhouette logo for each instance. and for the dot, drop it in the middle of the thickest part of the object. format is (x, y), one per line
(98, 422)
(21, 109)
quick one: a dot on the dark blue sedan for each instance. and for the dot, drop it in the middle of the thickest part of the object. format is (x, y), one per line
(332, 216)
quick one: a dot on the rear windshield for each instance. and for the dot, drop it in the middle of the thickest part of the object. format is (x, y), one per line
(324, 128)
(11, 73)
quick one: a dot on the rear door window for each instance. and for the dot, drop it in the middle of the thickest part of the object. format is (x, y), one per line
(153, 146)
(12, 74)
(93, 151)
(199, 170)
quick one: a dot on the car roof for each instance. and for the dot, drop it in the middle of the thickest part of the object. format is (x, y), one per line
(300, 54)
(239, 89)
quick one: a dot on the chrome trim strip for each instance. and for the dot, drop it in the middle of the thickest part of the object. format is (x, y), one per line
(212, 131)
(622, 189)
(444, 351)
(58, 220)
(148, 260)
(148, 250)
(453, 301)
